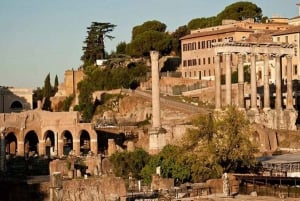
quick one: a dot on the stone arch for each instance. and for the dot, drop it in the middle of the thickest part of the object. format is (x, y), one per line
(11, 144)
(85, 142)
(31, 142)
(67, 142)
(16, 106)
(49, 140)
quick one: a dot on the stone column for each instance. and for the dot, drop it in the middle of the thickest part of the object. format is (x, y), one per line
(289, 95)
(20, 148)
(253, 83)
(60, 146)
(56, 187)
(56, 143)
(94, 146)
(2, 149)
(41, 148)
(76, 146)
(227, 79)
(278, 101)
(266, 83)
(218, 83)
(155, 90)
(241, 80)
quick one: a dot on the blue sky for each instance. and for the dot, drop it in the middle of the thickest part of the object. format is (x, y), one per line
(38, 37)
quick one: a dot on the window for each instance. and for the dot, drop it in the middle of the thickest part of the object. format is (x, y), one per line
(199, 62)
(184, 63)
(203, 44)
(295, 69)
(208, 60)
(199, 45)
(203, 61)
(194, 62)
(208, 44)
(199, 75)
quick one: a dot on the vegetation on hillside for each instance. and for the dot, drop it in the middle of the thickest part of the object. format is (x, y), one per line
(215, 145)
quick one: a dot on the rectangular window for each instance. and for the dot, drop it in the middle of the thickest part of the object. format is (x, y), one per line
(203, 45)
(184, 63)
(199, 62)
(199, 75)
(295, 69)
(199, 45)
(203, 61)
(208, 44)
(194, 62)
(208, 60)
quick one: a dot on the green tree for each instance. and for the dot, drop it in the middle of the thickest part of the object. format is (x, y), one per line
(94, 43)
(55, 88)
(121, 48)
(177, 34)
(236, 11)
(125, 163)
(172, 163)
(149, 36)
(223, 145)
(240, 11)
(150, 40)
(47, 93)
(153, 25)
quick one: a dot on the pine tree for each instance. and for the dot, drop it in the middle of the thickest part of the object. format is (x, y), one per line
(95, 48)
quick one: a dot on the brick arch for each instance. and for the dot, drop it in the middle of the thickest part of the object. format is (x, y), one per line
(11, 143)
(31, 141)
(84, 141)
(67, 139)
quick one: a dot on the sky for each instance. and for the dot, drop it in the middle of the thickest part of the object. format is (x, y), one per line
(41, 37)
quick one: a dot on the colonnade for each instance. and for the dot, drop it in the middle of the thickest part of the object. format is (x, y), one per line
(275, 50)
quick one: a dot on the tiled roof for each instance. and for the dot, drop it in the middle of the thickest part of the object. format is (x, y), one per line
(292, 30)
(215, 32)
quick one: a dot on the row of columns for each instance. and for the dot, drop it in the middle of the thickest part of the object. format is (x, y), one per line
(253, 81)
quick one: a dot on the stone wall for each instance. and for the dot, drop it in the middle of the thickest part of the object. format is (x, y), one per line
(94, 189)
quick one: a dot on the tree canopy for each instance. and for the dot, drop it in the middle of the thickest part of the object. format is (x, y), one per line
(94, 48)
(149, 36)
(236, 11)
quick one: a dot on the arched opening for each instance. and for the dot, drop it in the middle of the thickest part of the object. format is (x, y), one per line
(85, 142)
(31, 144)
(11, 144)
(68, 143)
(49, 143)
(16, 106)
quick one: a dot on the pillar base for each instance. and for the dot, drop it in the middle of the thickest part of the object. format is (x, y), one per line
(157, 139)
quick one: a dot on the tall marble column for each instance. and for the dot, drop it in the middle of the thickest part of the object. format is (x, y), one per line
(155, 90)
(278, 100)
(228, 79)
(157, 138)
(266, 83)
(241, 80)
(289, 95)
(218, 83)
(253, 82)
